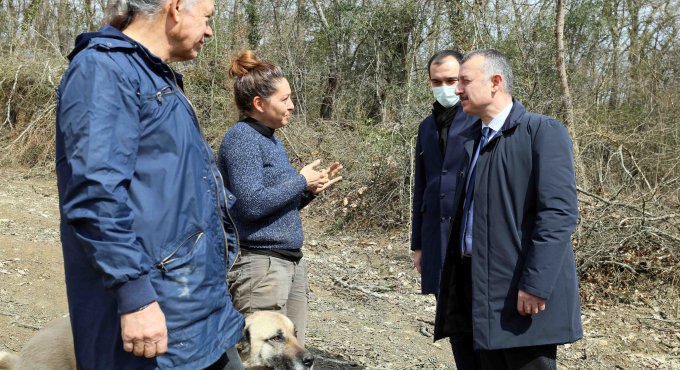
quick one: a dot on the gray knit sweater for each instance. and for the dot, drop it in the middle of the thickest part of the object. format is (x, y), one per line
(268, 190)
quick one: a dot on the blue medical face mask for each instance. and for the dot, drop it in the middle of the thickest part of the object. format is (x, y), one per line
(446, 95)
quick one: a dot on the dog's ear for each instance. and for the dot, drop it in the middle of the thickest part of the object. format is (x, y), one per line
(243, 346)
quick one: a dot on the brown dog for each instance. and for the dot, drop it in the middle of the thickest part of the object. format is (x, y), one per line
(269, 343)
(50, 349)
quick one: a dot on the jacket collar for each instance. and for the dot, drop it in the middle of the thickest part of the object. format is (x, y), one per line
(109, 37)
(515, 115)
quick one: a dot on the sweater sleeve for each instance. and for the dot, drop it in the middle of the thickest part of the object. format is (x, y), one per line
(241, 160)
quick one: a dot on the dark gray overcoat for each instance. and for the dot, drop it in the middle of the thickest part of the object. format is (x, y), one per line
(525, 211)
(438, 184)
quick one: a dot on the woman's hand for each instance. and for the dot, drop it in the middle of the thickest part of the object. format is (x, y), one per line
(315, 179)
(330, 174)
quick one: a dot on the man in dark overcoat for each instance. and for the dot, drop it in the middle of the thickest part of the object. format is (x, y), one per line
(439, 179)
(509, 276)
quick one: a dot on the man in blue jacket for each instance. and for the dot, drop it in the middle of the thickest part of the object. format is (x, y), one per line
(145, 229)
(510, 276)
(440, 160)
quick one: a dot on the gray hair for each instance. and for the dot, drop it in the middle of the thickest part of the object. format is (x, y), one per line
(495, 63)
(120, 13)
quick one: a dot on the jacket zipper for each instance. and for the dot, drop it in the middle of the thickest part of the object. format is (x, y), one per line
(226, 208)
(162, 265)
(158, 96)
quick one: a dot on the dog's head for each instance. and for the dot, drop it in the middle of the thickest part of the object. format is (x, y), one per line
(269, 342)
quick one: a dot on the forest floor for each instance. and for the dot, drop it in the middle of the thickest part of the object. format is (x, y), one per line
(365, 310)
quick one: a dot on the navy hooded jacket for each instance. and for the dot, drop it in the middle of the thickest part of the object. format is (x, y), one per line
(144, 215)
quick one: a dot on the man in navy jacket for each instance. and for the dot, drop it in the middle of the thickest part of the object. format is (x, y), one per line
(145, 229)
(439, 170)
(510, 276)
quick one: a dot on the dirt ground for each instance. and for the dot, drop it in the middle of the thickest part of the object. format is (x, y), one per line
(365, 311)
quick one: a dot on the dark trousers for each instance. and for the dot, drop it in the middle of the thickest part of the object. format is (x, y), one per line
(461, 344)
(230, 360)
(521, 358)
(463, 353)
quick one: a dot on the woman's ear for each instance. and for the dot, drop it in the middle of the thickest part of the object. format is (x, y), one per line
(258, 104)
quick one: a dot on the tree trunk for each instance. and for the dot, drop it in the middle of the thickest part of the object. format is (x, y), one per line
(567, 102)
(253, 17)
(326, 111)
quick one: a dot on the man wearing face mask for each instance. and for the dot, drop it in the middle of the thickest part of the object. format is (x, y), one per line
(440, 167)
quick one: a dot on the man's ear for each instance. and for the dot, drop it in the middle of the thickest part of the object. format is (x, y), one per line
(175, 7)
(258, 104)
(497, 82)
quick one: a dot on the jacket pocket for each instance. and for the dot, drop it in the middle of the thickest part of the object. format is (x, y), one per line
(182, 251)
(160, 95)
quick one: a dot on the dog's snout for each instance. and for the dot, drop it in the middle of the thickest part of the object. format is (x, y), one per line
(308, 359)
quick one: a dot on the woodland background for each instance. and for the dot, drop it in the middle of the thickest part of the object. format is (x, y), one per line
(607, 68)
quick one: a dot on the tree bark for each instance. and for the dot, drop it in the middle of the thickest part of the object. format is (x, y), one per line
(326, 111)
(567, 102)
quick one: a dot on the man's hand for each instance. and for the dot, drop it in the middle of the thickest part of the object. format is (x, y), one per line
(144, 332)
(417, 255)
(528, 304)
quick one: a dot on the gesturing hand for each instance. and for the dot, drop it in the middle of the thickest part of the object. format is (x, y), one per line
(144, 332)
(330, 175)
(528, 304)
(315, 179)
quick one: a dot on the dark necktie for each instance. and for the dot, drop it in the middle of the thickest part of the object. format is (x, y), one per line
(470, 192)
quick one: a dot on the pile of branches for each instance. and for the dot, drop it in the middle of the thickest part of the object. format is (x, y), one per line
(628, 239)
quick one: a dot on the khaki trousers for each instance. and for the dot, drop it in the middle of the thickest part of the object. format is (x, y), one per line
(264, 283)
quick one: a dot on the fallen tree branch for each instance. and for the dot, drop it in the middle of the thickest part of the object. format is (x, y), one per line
(612, 203)
(427, 321)
(658, 218)
(9, 100)
(361, 288)
(27, 130)
(424, 332)
(625, 266)
(27, 326)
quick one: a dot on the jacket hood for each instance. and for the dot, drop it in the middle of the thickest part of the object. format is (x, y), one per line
(110, 37)
(83, 40)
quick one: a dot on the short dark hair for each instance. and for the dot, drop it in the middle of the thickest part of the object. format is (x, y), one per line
(436, 59)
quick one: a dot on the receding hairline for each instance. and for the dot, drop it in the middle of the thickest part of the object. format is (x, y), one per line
(493, 62)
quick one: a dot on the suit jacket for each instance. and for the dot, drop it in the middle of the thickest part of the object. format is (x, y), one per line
(438, 185)
(525, 210)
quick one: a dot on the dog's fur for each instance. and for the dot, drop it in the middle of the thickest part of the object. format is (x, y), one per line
(50, 349)
(268, 342)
